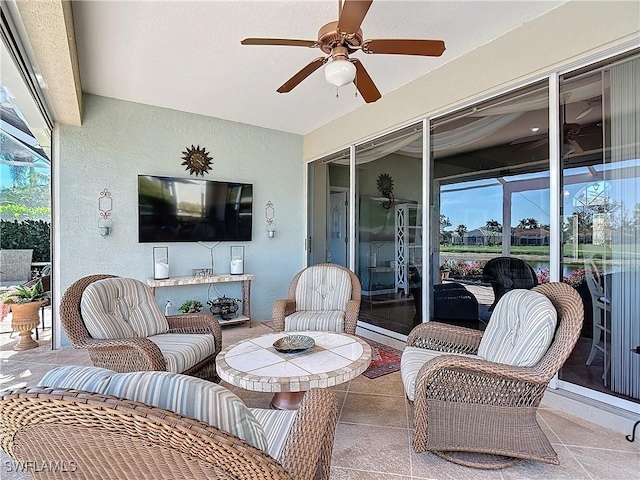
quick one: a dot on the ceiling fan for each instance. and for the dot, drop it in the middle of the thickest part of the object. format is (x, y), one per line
(570, 134)
(340, 39)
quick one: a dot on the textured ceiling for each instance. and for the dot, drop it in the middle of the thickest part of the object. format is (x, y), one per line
(187, 55)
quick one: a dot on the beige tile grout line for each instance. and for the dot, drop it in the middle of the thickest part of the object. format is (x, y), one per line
(408, 419)
(563, 445)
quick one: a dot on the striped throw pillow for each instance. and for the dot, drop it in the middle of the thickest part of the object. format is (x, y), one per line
(521, 329)
(89, 379)
(121, 308)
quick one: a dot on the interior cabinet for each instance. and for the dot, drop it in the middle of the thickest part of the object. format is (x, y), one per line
(408, 246)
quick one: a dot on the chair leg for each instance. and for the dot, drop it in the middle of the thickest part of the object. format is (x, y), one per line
(595, 341)
(38, 326)
(605, 350)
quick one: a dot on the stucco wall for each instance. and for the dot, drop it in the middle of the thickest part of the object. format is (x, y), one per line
(569, 33)
(119, 140)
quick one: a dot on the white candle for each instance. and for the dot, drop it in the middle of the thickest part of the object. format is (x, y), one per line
(161, 270)
(237, 267)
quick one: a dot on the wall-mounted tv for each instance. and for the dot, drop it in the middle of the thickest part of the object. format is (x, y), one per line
(188, 210)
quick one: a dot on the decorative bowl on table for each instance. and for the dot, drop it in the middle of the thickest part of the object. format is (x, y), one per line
(293, 343)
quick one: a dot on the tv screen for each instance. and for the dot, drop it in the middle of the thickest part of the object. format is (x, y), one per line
(188, 210)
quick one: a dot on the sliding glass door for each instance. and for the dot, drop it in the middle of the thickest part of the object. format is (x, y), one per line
(389, 256)
(490, 193)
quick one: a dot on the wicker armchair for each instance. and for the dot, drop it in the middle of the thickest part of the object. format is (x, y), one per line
(136, 353)
(507, 273)
(94, 436)
(480, 413)
(322, 316)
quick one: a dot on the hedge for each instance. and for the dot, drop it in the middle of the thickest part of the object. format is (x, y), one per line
(29, 234)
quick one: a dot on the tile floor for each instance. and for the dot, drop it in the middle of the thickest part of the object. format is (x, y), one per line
(373, 435)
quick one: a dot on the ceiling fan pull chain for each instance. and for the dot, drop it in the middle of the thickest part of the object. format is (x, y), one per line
(337, 92)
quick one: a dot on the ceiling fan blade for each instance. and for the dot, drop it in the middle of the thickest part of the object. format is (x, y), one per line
(428, 48)
(352, 15)
(279, 41)
(531, 138)
(576, 148)
(364, 84)
(302, 74)
(532, 145)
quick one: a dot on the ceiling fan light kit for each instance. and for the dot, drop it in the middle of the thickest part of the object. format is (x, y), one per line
(339, 72)
(340, 39)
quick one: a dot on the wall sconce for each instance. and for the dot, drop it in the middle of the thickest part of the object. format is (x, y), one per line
(270, 215)
(105, 205)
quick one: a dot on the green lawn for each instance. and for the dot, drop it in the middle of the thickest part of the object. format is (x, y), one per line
(543, 251)
(497, 249)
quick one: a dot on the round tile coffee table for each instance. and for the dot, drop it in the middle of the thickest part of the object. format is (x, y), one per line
(254, 364)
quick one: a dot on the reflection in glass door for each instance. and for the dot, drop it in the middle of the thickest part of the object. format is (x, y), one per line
(389, 243)
(490, 193)
(601, 225)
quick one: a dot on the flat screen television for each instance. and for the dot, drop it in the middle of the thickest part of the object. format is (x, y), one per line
(188, 210)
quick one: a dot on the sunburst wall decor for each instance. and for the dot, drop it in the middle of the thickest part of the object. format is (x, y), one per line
(385, 187)
(197, 160)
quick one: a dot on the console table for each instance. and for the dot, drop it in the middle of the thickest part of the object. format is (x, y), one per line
(245, 281)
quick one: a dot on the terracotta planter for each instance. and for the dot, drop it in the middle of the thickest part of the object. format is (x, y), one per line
(25, 317)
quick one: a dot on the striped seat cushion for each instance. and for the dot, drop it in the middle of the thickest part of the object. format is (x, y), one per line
(412, 360)
(276, 425)
(121, 308)
(325, 320)
(188, 396)
(323, 287)
(521, 329)
(181, 351)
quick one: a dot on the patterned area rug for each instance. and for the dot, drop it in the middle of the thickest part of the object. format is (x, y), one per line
(384, 359)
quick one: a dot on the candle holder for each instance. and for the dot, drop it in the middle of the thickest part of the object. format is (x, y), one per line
(160, 263)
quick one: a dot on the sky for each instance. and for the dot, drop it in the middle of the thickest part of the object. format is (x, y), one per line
(474, 207)
(5, 174)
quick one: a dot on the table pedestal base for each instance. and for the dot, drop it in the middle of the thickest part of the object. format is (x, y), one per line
(287, 400)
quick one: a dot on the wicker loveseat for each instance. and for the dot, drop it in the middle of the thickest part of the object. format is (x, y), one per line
(119, 322)
(323, 297)
(115, 426)
(479, 412)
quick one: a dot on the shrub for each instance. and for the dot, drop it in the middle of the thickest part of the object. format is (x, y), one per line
(543, 275)
(463, 270)
(575, 278)
(27, 234)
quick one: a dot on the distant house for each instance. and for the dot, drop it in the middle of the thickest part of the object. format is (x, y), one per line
(532, 237)
(482, 236)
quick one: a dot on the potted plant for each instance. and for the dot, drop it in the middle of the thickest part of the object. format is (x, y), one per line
(24, 303)
(191, 306)
(444, 271)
